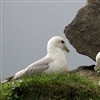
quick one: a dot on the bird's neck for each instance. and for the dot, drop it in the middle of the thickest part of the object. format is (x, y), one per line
(55, 51)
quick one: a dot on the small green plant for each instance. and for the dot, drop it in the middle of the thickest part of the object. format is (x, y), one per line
(63, 86)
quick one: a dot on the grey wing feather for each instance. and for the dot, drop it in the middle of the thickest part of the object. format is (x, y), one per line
(38, 69)
(35, 68)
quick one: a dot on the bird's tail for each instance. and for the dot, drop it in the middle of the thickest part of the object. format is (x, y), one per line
(8, 79)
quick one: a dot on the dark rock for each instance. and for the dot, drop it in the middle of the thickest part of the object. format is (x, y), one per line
(91, 68)
(87, 71)
(90, 1)
(84, 31)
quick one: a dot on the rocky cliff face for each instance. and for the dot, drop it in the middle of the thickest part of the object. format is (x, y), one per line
(84, 31)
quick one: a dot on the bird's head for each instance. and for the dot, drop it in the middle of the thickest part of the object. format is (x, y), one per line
(57, 42)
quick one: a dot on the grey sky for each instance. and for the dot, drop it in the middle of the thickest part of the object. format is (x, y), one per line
(27, 27)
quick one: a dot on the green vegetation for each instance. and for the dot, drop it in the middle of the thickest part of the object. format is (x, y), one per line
(51, 87)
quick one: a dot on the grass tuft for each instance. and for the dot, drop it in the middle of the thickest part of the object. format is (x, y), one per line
(51, 87)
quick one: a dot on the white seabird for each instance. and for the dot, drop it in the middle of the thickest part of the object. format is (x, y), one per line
(97, 65)
(55, 60)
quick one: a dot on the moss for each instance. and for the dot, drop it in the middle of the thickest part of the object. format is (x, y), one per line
(51, 87)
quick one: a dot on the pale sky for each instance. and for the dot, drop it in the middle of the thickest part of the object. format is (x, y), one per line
(27, 27)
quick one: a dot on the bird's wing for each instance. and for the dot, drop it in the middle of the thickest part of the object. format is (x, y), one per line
(36, 68)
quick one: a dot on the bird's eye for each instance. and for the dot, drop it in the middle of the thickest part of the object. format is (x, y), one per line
(62, 41)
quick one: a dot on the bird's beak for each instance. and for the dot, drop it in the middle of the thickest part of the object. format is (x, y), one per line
(66, 49)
